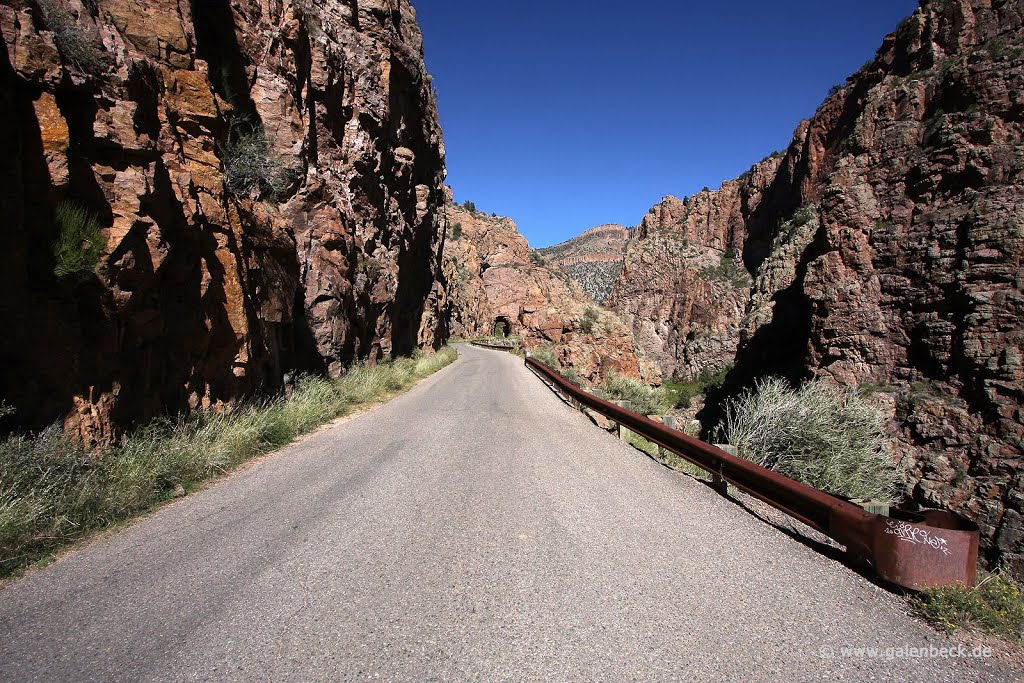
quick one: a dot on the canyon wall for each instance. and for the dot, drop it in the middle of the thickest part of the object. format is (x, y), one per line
(267, 175)
(593, 258)
(882, 250)
(495, 279)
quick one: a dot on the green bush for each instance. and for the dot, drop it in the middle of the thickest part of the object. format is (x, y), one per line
(457, 231)
(536, 259)
(249, 165)
(681, 394)
(73, 42)
(547, 357)
(587, 320)
(53, 491)
(828, 437)
(79, 244)
(994, 606)
(645, 399)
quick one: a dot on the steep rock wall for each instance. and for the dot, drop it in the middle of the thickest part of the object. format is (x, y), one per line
(210, 288)
(884, 251)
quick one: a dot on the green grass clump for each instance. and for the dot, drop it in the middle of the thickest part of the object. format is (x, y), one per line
(79, 244)
(666, 457)
(645, 399)
(995, 606)
(53, 491)
(825, 436)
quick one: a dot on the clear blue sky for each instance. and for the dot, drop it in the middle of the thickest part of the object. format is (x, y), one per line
(567, 115)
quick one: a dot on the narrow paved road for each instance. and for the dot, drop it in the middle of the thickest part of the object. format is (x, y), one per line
(475, 528)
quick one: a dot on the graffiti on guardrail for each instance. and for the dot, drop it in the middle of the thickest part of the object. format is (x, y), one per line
(905, 531)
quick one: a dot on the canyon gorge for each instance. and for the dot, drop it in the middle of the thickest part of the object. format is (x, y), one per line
(269, 178)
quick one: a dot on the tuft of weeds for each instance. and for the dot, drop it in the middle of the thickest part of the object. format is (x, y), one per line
(249, 164)
(53, 491)
(79, 244)
(995, 606)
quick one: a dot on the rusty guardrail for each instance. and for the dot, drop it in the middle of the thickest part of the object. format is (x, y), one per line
(910, 549)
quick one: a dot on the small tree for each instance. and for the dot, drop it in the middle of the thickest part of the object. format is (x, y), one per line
(79, 244)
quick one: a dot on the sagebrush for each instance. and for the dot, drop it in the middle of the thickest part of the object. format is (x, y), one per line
(54, 491)
(645, 399)
(828, 437)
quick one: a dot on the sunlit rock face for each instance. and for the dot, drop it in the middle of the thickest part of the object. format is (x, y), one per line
(882, 249)
(496, 279)
(210, 287)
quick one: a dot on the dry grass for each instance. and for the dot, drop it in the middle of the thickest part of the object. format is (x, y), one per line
(53, 492)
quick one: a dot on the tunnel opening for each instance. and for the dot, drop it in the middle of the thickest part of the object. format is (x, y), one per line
(502, 326)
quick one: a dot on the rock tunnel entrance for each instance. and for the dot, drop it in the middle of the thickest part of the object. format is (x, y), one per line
(502, 327)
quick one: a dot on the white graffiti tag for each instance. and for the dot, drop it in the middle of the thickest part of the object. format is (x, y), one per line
(912, 534)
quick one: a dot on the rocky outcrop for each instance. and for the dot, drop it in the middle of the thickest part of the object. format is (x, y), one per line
(883, 250)
(498, 284)
(268, 179)
(593, 258)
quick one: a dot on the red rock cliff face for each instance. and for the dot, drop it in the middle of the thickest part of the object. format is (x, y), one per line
(209, 288)
(884, 250)
(495, 276)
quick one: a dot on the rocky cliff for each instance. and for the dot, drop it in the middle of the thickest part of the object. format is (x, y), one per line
(593, 258)
(882, 250)
(266, 180)
(497, 282)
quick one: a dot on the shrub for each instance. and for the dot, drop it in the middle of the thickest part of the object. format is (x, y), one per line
(79, 244)
(249, 165)
(803, 216)
(72, 41)
(6, 409)
(457, 231)
(547, 357)
(824, 436)
(536, 259)
(590, 316)
(469, 206)
(682, 393)
(994, 606)
(645, 399)
(52, 491)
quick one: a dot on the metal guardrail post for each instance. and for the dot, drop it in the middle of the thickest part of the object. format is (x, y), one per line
(911, 549)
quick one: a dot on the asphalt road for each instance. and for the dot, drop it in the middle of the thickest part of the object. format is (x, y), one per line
(475, 528)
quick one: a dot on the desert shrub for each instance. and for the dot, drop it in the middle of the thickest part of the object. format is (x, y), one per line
(994, 606)
(73, 42)
(587, 320)
(547, 357)
(457, 231)
(469, 206)
(536, 259)
(681, 394)
(54, 491)
(828, 437)
(250, 165)
(803, 216)
(645, 399)
(79, 244)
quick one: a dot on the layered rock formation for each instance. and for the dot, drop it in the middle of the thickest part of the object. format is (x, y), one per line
(593, 258)
(268, 177)
(884, 249)
(496, 282)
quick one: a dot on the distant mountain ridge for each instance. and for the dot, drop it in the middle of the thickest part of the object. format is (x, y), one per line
(593, 258)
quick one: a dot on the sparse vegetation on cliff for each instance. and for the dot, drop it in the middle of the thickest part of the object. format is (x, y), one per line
(681, 394)
(79, 244)
(54, 491)
(729, 270)
(249, 164)
(825, 436)
(73, 42)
